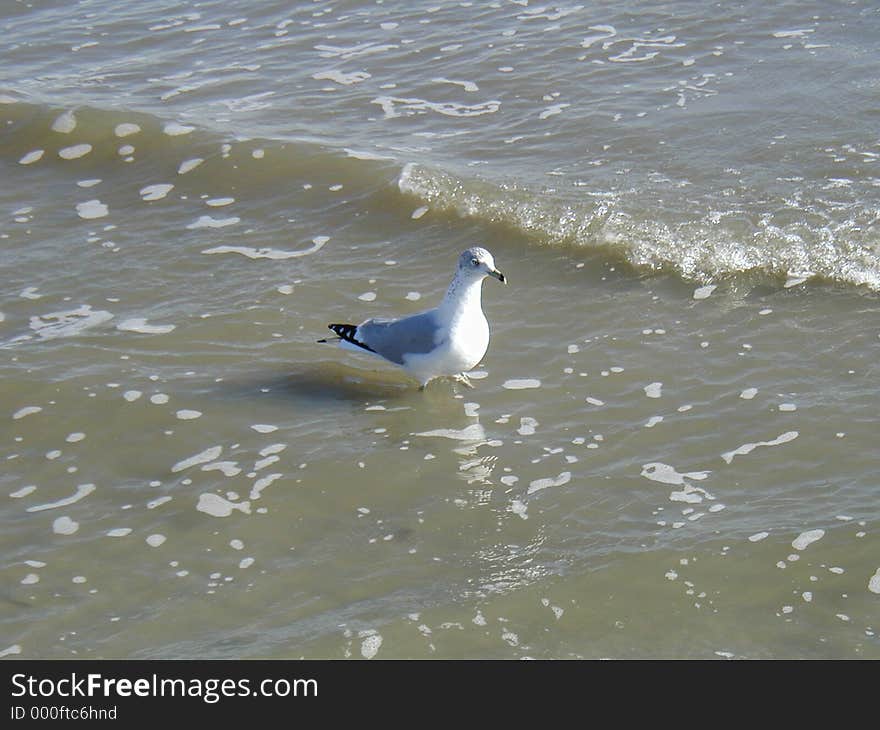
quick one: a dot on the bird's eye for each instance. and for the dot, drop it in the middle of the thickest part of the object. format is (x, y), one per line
(475, 262)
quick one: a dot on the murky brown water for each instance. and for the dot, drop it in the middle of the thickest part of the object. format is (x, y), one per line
(671, 448)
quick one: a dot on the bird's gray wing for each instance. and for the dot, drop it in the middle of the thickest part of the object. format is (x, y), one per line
(395, 338)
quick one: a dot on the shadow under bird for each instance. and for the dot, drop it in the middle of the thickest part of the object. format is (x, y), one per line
(446, 341)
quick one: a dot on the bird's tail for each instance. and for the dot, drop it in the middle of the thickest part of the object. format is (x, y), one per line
(348, 333)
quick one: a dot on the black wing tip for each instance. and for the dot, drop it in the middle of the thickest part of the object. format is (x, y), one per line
(347, 332)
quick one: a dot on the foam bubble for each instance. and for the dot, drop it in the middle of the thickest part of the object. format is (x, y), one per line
(155, 192)
(187, 415)
(657, 471)
(370, 646)
(206, 221)
(264, 428)
(368, 296)
(64, 526)
(30, 579)
(119, 532)
(82, 491)
(174, 129)
(521, 383)
(137, 324)
(748, 393)
(228, 468)
(31, 157)
(126, 128)
(26, 411)
(874, 582)
(188, 165)
(155, 540)
(758, 536)
(474, 432)
(245, 563)
(73, 438)
(748, 448)
(203, 457)
(539, 484)
(703, 292)
(75, 151)
(92, 209)
(262, 483)
(654, 390)
(65, 123)
(807, 538)
(219, 202)
(527, 426)
(217, 506)
(132, 395)
(159, 399)
(270, 253)
(23, 492)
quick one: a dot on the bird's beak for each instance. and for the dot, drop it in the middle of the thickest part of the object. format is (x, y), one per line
(498, 275)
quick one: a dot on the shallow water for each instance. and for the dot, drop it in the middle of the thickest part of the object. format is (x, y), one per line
(671, 448)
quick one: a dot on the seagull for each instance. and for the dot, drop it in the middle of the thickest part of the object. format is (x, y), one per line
(446, 341)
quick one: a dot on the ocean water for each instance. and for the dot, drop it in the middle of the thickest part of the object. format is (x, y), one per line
(671, 449)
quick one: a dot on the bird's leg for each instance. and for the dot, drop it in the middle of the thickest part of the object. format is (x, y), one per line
(465, 380)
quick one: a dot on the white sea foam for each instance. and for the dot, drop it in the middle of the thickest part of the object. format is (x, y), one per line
(657, 471)
(26, 411)
(341, 77)
(264, 428)
(228, 468)
(119, 532)
(654, 390)
(65, 123)
(748, 448)
(92, 209)
(64, 526)
(370, 646)
(74, 151)
(136, 324)
(394, 106)
(188, 165)
(521, 383)
(206, 221)
(82, 491)
(174, 129)
(31, 157)
(187, 415)
(203, 457)
(155, 192)
(23, 492)
(217, 506)
(539, 484)
(126, 128)
(474, 432)
(807, 538)
(270, 253)
(262, 483)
